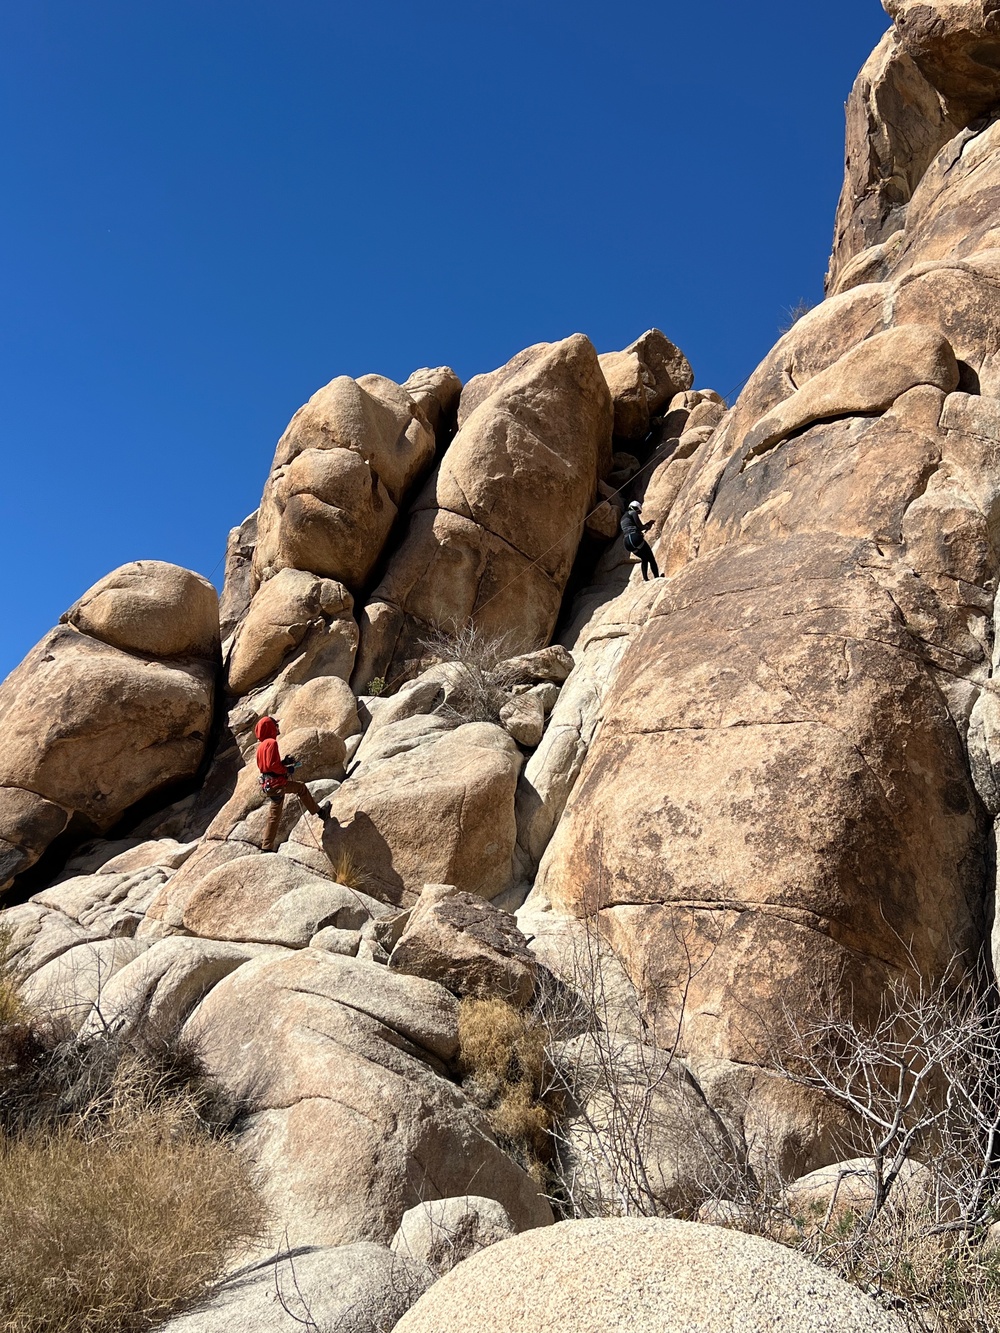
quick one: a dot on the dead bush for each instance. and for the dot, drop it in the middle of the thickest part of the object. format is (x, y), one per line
(919, 1082)
(482, 686)
(109, 1234)
(346, 871)
(502, 1053)
(121, 1199)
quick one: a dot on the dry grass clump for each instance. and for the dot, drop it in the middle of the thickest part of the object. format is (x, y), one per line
(346, 871)
(502, 1052)
(121, 1198)
(109, 1234)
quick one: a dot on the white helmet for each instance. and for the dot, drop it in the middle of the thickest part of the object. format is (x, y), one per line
(635, 505)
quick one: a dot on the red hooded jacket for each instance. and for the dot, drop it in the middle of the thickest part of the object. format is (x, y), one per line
(268, 755)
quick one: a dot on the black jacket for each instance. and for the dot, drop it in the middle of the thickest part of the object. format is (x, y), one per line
(632, 528)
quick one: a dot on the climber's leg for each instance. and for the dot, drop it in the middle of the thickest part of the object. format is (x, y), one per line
(277, 802)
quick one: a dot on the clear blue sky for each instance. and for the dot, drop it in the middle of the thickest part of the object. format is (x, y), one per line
(212, 207)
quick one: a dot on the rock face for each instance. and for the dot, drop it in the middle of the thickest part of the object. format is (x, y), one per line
(438, 809)
(359, 1288)
(933, 74)
(442, 1233)
(769, 780)
(334, 1051)
(112, 705)
(294, 613)
(782, 779)
(480, 543)
(643, 1275)
(642, 380)
(465, 944)
(340, 473)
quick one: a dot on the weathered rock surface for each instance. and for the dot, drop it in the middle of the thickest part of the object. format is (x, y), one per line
(294, 612)
(852, 1187)
(646, 1276)
(357, 1120)
(439, 812)
(932, 75)
(157, 990)
(493, 535)
(465, 944)
(107, 709)
(443, 1232)
(271, 900)
(340, 473)
(360, 1288)
(151, 607)
(237, 587)
(638, 1131)
(642, 379)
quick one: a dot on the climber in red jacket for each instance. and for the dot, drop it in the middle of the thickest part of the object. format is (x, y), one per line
(275, 780)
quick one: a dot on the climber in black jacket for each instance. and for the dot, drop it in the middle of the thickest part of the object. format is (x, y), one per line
(632, 528)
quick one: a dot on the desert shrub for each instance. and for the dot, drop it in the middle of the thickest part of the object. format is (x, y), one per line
(376, 686)
(793, 314)
(503, 1055)
(482, 686)
(109, 1234)
(121, 1197)
(919, 1083)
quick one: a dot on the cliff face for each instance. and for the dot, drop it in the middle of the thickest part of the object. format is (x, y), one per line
(767, 778)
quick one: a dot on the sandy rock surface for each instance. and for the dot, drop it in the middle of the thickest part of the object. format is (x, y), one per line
(645, 1276)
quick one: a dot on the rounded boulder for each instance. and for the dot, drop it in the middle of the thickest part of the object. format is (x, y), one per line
(148, 606)
(645, 1275)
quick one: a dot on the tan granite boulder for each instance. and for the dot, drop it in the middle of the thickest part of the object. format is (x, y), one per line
(151, 607)
(340, 473)
(360, 1288)
(466, 944)
(356, 1122)
(642, 379)
(645, 1275)
(494, 534)
(443, 1232)
(271, 900)
(91, 728)
(237, 586)
(295, 614)
(439, 812)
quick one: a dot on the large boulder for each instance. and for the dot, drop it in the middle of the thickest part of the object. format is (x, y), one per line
(272, 900)
(151, 607)
(804, 709)
(493, 536)
(114, 704)
(437, 809)
(356, 1120)
(642, 379)
(443, 1232)
(294, 613)
(467, 944)
(934, 73)
(644, 1275)
(638, 1133)
(340, 472)
(360, 1288)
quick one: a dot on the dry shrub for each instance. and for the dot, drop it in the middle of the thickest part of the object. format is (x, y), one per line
(120, 1198)
(109, 1234)
(485, 680)
(502, 1053)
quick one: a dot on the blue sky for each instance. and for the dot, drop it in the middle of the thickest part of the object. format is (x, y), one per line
(212, 207)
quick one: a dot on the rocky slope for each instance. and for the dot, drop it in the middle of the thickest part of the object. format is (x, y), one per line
(767, 778)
